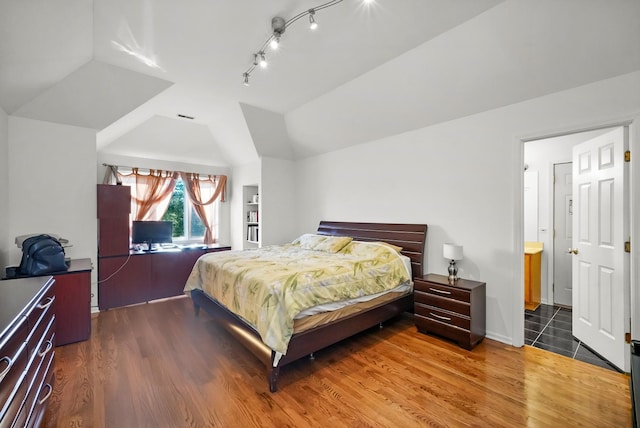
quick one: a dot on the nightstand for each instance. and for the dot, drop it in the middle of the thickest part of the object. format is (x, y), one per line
(456, 311)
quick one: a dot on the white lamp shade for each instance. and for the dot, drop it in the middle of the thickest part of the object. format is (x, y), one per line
(452, 252)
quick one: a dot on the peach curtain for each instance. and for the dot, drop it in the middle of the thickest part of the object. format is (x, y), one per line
(203, 192)
(150, 193)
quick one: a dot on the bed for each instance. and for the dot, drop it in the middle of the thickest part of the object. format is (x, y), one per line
(310, 335)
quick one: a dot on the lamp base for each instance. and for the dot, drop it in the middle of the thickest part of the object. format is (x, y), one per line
(453, 271)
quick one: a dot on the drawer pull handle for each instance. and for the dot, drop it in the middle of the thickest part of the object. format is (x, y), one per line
(46, 397)
(49, 301)
(9, 364)
(47, 349)
(440, 317)
(439, 291)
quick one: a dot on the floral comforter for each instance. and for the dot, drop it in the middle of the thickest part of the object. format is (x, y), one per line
(267, 287)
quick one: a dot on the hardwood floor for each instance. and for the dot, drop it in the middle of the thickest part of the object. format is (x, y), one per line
(158, 365)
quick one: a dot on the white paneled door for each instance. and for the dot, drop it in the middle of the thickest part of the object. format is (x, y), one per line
(600, 265)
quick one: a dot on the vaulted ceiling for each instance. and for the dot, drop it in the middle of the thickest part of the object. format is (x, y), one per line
(128, 68)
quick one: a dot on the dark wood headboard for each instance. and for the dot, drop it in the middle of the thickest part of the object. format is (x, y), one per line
(411, 237)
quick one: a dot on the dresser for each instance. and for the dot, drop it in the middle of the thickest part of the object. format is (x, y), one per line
(27, 340)
(73, 301)
(455, 311)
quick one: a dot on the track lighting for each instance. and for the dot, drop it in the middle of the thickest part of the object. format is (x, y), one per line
(312, 22)
(278, 27)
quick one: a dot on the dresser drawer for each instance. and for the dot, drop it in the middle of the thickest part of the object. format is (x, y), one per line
(13, 366)
(43, 328)
(442, 316)
(13, 358)
(451, 305)
(38, 376)
(42, 397)
(40, 309)
(42, 350)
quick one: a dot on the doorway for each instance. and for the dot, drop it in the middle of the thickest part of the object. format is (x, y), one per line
(562, 236)
(551, 160)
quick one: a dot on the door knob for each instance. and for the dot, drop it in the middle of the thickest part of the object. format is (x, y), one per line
(572, 251)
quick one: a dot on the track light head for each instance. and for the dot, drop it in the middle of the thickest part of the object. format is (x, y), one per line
(263, 60)
(278, 25)
(312, 21)
(246, 79)
(275, 42)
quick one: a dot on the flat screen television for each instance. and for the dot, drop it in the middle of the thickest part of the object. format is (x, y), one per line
(151, 232)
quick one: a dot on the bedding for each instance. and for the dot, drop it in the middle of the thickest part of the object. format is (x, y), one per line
(269, 287)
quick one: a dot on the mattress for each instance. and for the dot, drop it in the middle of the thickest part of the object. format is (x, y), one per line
(320, 318)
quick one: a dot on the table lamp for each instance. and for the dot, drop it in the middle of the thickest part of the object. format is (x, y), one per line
(452, 252)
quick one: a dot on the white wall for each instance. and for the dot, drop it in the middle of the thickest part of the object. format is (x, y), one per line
(278, 207)
(52, 170)
(464, 179)
(224, 234)
(243, 175)
(530, 204)
(4, 190)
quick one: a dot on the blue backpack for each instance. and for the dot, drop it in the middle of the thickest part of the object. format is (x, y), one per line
(42, 254)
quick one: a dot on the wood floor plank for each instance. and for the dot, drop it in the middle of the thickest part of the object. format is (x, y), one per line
(159, 365)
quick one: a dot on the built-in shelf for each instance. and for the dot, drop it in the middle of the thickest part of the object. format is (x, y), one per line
(251, 213)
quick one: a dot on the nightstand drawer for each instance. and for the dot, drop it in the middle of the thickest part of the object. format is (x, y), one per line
(443, 291)
(452, 332)
(450, 305)
(445, 317)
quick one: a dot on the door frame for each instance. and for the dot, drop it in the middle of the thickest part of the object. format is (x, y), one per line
(634, 226)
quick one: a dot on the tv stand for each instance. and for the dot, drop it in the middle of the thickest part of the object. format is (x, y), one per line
(142, 276)
(127, 276)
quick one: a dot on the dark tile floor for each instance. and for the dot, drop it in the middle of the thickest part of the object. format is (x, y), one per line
(549, 328)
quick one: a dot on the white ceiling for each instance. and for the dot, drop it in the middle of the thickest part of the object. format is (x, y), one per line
(368, 72)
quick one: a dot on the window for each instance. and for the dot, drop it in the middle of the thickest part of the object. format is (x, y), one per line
(170, 194)
(187, 226)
